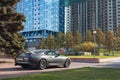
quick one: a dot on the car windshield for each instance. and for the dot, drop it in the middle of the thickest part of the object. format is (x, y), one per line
(37, 52)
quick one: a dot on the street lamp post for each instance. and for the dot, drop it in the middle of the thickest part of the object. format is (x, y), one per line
(94, 36)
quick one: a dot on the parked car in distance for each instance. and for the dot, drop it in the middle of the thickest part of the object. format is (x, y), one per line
(41, 59)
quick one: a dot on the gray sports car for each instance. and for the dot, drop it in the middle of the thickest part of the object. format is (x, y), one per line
(41, 59)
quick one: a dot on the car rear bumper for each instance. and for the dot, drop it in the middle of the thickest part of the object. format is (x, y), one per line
(22, 63)
(25, 63)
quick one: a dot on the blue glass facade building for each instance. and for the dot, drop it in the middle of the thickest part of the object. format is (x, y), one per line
(43, 18)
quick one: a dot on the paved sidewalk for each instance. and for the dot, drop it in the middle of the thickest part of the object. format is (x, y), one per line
(7, 60)
(109, 59)
(9, 70)
(89, 60)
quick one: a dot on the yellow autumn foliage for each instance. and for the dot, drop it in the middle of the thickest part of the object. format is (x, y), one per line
(86, 47)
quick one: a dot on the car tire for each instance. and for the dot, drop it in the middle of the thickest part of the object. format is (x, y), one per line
(67, 63)
(42, 64)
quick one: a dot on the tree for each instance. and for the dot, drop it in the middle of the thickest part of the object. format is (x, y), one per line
(100, 37)
(118, 31)
(60, 39)
(51, 42)
(89, 37)
(117, 38)
(77, 38)
(42, 43)
(109, 37)
(77, 47)
(10, 26)
(69, 40)
(117, 43)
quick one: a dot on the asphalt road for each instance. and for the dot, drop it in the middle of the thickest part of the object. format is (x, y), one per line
(8, 70)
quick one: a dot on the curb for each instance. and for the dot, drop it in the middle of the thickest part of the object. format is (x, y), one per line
(87, 60)
(94, 60)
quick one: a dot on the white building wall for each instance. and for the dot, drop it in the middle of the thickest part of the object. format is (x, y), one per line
(97, 14)
(110, 15)
(67, 19)
(118, 12)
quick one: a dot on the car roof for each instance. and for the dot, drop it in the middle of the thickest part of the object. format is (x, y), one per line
(39, 50)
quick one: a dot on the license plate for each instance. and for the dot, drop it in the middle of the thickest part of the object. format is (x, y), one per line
(20, 59)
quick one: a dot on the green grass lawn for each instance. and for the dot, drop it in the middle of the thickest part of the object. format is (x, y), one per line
(76, 74)
(116, 54)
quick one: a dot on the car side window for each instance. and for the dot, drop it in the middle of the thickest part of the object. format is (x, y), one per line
(51, 53)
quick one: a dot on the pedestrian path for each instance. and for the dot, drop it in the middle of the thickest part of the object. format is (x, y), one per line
(6, 60)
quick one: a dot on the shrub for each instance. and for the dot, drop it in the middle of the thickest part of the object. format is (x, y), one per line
(87, 47)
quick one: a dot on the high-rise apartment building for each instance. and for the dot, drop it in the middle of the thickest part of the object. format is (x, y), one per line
(91, 14)
(43, 18)
(108, 13)
(79, 18)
